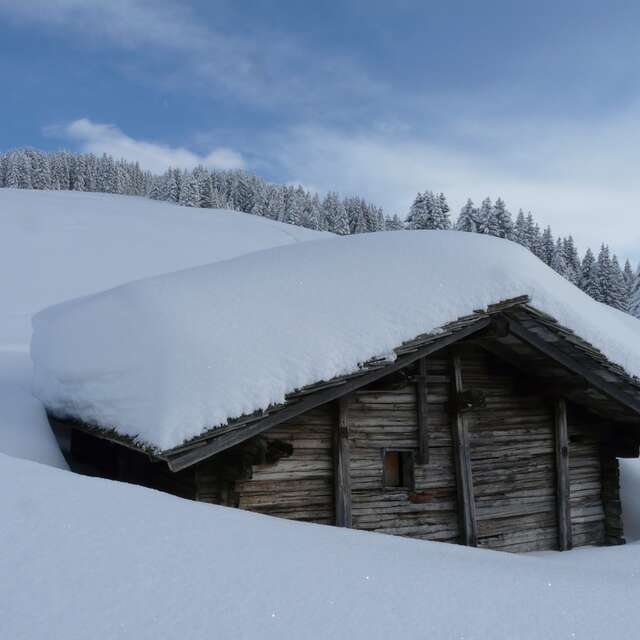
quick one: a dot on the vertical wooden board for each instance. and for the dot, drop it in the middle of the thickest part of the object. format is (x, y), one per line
(611, 498)
(422, 412)
(383, 417)
(512, 457)
(466, 500)
(562, 475)
(342, 465)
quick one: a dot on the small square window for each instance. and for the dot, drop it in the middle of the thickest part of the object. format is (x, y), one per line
(398, 469)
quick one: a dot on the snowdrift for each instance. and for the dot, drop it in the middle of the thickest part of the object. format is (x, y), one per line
(167, 358)
(90, 558)
(56, 245)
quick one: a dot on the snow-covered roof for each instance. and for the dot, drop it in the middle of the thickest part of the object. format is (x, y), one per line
(167, 358)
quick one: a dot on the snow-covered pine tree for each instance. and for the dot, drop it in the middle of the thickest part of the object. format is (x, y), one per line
(443, 219)
(532, 233)
(629, 278)
(572, 260)
(520, 229)
(335, 214)
(487, 222)
(467, 218)
(417, 216)
(503, 220)
(617, 295)
(393, 223)
(312, 215)
(295, 203)
(634, 304)
(547, 246)
(13, 179)
(429, 211)
(41, 171)
(275, 202)
(589, 278)
(357, 214)
(558, 262)
(189, 194)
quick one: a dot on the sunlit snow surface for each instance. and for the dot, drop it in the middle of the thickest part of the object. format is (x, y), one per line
(166, 358)
(90, 558)
(56, 245)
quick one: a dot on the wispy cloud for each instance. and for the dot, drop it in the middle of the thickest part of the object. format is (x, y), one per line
(265, 69)
(580, 179)
(93, 137)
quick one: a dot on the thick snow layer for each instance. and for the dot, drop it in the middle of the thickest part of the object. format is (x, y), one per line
(166, 358)
(24, 429)
(90, 558)
(56, 245)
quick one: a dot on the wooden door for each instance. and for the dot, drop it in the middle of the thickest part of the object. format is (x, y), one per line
(512, 458)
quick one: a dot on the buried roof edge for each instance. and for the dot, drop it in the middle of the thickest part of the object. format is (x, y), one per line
(512, 311)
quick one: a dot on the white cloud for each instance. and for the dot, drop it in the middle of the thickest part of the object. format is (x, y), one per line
(579, 179)
(266, 68)
(107, 138)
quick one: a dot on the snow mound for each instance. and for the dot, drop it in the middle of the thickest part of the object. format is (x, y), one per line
(56, 245)
(91, 558)
(167, 358)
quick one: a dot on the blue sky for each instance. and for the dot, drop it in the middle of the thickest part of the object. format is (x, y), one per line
(536, 102)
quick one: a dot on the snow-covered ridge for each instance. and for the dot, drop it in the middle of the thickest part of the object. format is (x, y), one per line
(167, 358)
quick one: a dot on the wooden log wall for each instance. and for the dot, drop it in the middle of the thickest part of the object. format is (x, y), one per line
(512, 458)
(298, 486)
(384, 416)
(585, 480)
(512, 448)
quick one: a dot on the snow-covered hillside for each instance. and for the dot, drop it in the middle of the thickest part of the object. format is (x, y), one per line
(90, 558)
(56, 245)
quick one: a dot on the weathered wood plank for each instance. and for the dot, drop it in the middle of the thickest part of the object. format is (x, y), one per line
(422, 412)
(342, 466)
(466, 500)
(562, 471)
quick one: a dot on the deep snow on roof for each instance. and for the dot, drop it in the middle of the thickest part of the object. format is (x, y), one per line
(167, 358)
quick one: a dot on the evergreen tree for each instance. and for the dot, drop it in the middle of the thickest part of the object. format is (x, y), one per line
(617, 294)
(503, 220)
(429, 211)
(547, 246)
(634, 303)
(467, 218)
(520, 229)
(629, 279)
(558, 263)
(572, 260)
(312, 218)
(589, 278)
(487, 221)
(335, 214)
(393, 223)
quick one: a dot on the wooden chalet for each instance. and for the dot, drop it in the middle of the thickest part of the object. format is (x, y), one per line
(501, 430)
